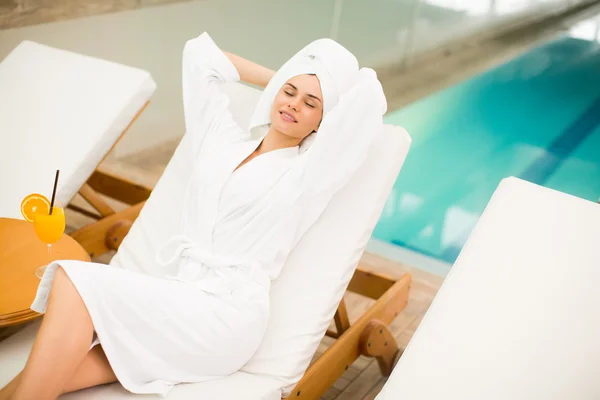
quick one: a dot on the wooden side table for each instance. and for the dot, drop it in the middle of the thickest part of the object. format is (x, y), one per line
(21, 253)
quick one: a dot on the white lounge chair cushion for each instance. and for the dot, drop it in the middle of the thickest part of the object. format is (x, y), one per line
(518, 317)
(314, 279)
(60, 110)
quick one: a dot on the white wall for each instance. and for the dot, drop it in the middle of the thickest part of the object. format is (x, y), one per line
(266, 31)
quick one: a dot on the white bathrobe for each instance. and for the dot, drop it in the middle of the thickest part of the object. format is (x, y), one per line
(206, 317)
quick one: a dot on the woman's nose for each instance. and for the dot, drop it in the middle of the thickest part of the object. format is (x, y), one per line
(295, 104)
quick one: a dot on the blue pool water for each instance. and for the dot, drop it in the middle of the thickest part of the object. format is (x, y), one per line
(536, 118)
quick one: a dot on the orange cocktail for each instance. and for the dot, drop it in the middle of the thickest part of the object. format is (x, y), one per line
(49, 227)
(48, 221)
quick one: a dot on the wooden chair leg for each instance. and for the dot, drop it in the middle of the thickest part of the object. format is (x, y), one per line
(342, 323)
(83, 211)
(377, 341)
(95, 200)
(347, 348)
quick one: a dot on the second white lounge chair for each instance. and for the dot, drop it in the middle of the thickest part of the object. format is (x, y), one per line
(518, 317)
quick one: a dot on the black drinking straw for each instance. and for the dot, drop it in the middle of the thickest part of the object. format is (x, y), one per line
(54, 191)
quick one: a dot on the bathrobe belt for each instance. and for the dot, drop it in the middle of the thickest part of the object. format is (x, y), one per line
(226, 269)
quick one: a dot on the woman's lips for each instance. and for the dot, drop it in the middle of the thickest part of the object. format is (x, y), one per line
(287, 117)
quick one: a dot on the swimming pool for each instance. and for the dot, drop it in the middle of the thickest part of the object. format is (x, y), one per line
(536, 117)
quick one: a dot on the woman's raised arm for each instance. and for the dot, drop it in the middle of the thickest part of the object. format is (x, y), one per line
(251, 72)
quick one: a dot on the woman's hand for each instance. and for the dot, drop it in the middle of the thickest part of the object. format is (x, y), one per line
(251, 72)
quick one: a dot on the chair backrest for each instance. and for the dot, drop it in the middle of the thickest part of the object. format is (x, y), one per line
(313, 281)
(60, 110)
(518, 317)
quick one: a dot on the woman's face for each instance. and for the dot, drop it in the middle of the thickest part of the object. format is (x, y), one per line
(298, 107)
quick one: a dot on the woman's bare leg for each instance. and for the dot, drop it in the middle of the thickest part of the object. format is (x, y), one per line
(61, 344)
(93, 371)
(9, 390)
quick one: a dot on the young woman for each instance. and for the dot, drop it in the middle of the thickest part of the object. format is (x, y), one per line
(254, 192)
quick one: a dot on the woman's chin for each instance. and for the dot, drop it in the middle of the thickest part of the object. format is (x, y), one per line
(282, 128)
(285, 130)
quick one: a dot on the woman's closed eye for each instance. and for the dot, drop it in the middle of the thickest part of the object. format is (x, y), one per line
(290, 94)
